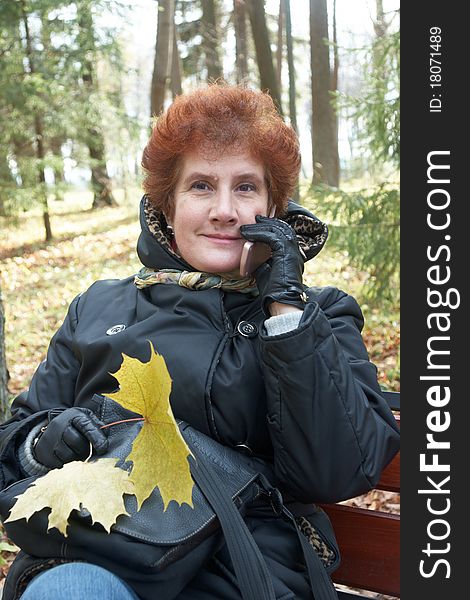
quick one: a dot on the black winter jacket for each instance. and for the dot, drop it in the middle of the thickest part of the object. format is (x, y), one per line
(307, 400)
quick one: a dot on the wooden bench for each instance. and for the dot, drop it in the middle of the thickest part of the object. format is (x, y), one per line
(369, 540)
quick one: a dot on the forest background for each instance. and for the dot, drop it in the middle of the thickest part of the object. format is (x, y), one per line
(79, 84)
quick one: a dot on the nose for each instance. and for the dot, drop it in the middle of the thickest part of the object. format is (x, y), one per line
(223, 209)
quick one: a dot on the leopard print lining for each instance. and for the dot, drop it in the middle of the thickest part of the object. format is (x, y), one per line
(325, 554)
(311, 232)
(157, 225)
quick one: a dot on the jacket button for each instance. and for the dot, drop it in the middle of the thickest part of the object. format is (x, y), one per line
(247, 329)
(115, 329)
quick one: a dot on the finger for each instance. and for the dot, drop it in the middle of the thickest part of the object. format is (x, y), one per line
(47, 457)
(276, 226)
(65, 455)
(89, 426)
(75, 442)
(253, 233)
(274, 238)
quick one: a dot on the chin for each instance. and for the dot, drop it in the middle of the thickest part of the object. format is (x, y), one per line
(225, 270)
(226, 265)
(223, 264)
(228, 270)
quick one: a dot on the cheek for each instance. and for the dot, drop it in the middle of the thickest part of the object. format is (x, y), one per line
(186, 220)
(258, 208)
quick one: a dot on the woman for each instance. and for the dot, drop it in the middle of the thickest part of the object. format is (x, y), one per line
(260, 363)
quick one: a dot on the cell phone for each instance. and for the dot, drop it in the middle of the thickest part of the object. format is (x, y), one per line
(254, 254)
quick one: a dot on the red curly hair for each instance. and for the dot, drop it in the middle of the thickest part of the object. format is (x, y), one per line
(217, 119)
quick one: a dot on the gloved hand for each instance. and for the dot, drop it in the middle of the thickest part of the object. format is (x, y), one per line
(280, 278)
(68, 436)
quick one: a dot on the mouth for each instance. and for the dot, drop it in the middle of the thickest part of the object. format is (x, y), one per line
(222, 239)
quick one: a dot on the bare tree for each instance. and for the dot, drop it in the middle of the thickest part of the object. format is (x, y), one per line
(324, 136)
(334, 72)
(38, 127)
(280, 42)
(264, 57)
(210, 38)
(176, 84)
(291, 69)
(380, 24)
(94, 139)
(241, 42)
(163, 51)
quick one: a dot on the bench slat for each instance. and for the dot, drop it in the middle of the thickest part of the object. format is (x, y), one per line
(369, 543)
(393, 399)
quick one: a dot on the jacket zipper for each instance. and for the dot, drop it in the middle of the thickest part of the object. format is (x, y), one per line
(213, 366)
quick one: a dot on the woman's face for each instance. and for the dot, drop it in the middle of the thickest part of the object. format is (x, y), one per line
(213, 197)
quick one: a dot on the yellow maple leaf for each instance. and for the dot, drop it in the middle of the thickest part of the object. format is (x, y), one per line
(159, 453)
(96, 486)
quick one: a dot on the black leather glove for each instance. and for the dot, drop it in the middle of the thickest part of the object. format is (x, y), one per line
(279, 279)
(68, 436)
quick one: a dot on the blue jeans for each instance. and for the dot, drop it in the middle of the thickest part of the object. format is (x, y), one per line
(78, 581)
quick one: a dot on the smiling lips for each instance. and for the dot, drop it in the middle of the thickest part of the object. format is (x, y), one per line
(222, 239)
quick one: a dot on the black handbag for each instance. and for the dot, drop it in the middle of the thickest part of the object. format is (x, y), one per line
(158, 552)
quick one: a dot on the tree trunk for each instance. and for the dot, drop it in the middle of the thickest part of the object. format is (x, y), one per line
(380, 29)
(55, 145)
(100, 181)
(380, 25)
(241, 46)
(280, 43)
(6, 177)
(211, 40)
(176, 84)
(4, 376)
(334, 73)
(24, 152)
(163, 52)
(291, 69)
(324, 138)
(264, 56)
(42, 180)
(38, 130)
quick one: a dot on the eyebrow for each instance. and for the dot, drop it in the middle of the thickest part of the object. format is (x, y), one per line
(238, 176)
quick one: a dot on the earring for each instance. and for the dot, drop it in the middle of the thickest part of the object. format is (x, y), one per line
(170, 232)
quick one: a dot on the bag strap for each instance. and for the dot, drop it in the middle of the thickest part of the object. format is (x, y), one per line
(253, 577)
(252, 573)
(320, 582)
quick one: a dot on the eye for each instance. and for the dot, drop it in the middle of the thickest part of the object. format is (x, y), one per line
(246, 187)
(200, 185)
